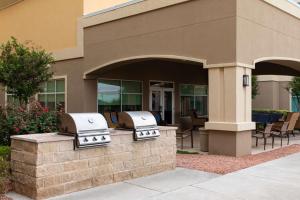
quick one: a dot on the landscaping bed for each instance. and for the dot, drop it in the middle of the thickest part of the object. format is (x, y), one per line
(227, 164)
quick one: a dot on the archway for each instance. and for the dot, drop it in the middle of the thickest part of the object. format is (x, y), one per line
(172, 85)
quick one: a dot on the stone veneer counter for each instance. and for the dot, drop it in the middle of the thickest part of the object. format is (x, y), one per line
(46, 165)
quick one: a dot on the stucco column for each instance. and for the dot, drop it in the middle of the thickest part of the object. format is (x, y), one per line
(230, 122)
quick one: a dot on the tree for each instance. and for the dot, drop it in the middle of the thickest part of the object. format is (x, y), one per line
(254, 87)
(23, 69)
(294, 89)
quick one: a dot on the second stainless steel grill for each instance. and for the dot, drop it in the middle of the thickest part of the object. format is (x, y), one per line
(142, 123)
(89, 129)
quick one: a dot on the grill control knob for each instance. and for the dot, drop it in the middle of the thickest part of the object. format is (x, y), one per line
(94, 139)
(103, 138)
(85, 140)
(148, 133)
(141, 134)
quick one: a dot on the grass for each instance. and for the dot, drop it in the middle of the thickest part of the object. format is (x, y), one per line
(186, 152)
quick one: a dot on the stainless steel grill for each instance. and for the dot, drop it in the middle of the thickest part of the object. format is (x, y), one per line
(142, 123)
(89, 129)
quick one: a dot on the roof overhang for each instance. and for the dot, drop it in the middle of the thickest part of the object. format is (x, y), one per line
(6, 3)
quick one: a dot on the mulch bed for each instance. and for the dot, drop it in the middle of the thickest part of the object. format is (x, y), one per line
(226, 164)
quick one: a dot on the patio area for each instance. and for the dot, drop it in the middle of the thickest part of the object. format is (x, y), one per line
(278, 179)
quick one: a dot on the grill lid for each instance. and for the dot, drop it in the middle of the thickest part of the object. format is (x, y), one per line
(137, 119)
(83, 122)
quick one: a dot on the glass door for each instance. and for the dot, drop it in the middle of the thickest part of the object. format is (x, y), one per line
(162, 101)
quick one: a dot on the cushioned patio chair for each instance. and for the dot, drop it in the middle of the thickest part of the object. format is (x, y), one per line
(283, 133)
(185, 130)
(158, 118)
(111, 119)
(265, 134)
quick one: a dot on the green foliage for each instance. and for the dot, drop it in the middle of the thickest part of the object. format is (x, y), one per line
(18, 121)
(294, 89)
(5, 152)
(282, 112)
(23, 69)
(255, 88)
(4, 175)
(186, 152)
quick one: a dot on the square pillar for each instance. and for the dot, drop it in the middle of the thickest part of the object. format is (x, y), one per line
(230, 122)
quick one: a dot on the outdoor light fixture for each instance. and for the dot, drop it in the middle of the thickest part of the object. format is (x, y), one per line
(246, 81)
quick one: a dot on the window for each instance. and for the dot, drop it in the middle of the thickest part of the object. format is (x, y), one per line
(10, 99)
(119, 95)
(52, 94)
(193, 97)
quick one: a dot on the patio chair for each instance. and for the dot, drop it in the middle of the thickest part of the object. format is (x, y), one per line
(265, 134)
(198, 121)
(158, 118)
(277, 125)
(283, 133)
(185, 130)
(110, 122)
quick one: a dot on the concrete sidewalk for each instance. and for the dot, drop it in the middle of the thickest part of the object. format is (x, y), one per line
(275, 180)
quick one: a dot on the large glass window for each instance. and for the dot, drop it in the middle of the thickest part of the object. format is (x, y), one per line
(193, 97)
(52, 94)
(119, 95)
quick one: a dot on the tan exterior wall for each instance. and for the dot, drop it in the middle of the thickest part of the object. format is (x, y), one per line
(265, 31)
(197, 29)
(49, 24)
(272, 95)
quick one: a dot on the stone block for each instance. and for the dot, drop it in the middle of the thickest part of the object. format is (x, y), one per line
(25, 157)
(65, 156)
(98, 161)
(91, 153)
(118, 166)
(75, 165)
(48, 147)
(82, 174)
(77, 186)
(23, 146)
(122, 176)
(45, 193)
(24, 168)
(52, 180)
(27, 180)
(102, 180)
(66, 146)
(103, 170)
(152, 160)
(49, 170)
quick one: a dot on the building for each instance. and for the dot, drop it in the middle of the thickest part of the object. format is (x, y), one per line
(178, 55)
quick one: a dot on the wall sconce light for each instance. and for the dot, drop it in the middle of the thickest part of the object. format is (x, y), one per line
(246, 80)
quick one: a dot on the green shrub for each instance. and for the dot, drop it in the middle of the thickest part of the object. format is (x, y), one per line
(269, 111)
(4, 175)
(5, 152)
(16, 120)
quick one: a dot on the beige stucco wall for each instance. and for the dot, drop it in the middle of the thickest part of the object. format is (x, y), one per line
(265, 31)
(272, 95)
(95, 5)
(49, 24)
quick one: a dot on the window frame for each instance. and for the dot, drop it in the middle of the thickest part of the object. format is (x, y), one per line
(193, 96)
(121, 93)
(36, 95)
